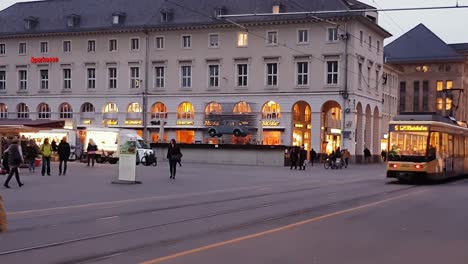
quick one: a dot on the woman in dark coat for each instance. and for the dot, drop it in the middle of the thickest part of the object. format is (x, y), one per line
(293, 157)
(302, 158)
(15, 158)
(63, 150)
(173, 155)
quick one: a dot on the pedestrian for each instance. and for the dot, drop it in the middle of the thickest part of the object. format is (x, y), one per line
(3, 218)
(32, 151)
(46, 150)
(346, 156)
(15, 158)
(174, 156)
(54, 145)
(64, 151)
(5, 165)
(367, 155)
(302, 157)
(293, 158)
(383, 155)
(91, 150)
(313, 156)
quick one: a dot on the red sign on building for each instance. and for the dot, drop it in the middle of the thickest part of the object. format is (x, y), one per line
(44, 60)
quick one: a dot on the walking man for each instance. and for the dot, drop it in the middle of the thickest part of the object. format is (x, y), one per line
(15, 158)
(313, 156)
(174, 156)
(64, 154)
(367, 155)
(302, 158)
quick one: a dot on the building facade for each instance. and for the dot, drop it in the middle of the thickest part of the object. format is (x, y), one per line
(433, 74)
(170, 72)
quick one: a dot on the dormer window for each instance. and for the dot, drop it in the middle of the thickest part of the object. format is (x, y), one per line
(278, 7)
(166, 14)
(219, 11)
(30, 23)
(73, 21)
(118, 18)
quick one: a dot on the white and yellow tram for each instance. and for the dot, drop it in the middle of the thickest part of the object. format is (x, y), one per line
(427, 147)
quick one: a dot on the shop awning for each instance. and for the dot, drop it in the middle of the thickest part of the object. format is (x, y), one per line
(8, 126)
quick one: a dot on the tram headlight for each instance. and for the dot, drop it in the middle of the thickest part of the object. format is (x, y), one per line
(393, 165)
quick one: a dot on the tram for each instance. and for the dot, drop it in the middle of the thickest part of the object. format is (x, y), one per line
(423, 146)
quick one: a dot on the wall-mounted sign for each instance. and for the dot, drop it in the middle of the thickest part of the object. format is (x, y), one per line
(211, 123)
(133, 122)
(185, 123)
(298, 125)
(87, 122)
(410, 128)
(110, 122)
(335, 131)
(44, 60)
(270, 123)
(309, 126)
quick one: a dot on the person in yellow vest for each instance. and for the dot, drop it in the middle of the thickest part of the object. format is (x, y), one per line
(46, 150)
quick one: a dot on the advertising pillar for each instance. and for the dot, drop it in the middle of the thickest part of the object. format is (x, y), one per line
(127, 159)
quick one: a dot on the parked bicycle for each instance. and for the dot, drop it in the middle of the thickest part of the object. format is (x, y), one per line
(106, 156)
(333, 164)
(149, 159)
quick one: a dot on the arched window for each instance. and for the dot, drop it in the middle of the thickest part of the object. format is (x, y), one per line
(111, 108)
(271, 110)
(87, 108)
(44, 111)
(66, 111)
(213, 108)
(3, 111)
(185, 111)
(23, 111)
(134, 108)
(296, 113)
(308, 114)
(242, 107)
(158, 111)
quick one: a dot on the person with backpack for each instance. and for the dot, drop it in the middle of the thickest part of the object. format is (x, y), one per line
(15, 158)
(32, 151)
(46, 151)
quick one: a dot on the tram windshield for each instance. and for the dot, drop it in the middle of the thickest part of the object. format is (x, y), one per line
(408, 146)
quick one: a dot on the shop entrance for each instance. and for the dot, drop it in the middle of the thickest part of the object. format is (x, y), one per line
(301, 125)
(331, 126)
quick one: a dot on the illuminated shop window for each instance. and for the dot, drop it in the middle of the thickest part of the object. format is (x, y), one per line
(3, 111)
(158, 111)
(134, 108)
(271, 110)
(44, 111)
(242, 107)
(213, 108)
(111, 108)
(185, 111)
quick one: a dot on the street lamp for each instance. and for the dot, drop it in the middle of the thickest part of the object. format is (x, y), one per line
(449, 93)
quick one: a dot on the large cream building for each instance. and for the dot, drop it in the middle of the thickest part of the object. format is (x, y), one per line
(170, 70)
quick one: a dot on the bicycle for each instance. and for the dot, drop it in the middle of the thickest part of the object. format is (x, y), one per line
(149, 159)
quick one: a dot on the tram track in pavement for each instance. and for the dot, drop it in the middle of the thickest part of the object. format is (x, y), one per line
(290, 214)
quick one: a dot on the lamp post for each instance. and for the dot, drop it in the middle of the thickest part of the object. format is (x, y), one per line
(449, 93)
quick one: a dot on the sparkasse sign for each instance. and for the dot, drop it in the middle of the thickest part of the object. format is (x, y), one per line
(44, 60)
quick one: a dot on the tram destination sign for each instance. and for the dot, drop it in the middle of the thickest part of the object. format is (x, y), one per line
(421, 128)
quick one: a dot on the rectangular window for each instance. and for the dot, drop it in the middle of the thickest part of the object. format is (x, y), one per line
(159, 42)
(159, 79)
(135, 44)
(213, 75)
(272, 74)
(44, 74)
(67, 46)
(242, 75)
(440, 86)
(332, 72)
(370, 42)
(213, 40)
(91, 78)
(302, 73)
(2, 49)
(67, 79)
(44, 47)
(361, 37)
(112, 75)
(112, 45)
(378, 46)
(134, 77)
(91, 45)
(272, 37)
(302, 36)
(416, 96)
(22, 49)
(186, 42)
(425, 101)
(186, 75)
(332, 35)
(376, 80)
(360, 76)
(402, 106)
(2, 80)
(449, 85)
(368, 77)
(23, 80)
(242, 39)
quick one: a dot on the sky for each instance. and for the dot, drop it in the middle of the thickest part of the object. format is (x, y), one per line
(447, 24)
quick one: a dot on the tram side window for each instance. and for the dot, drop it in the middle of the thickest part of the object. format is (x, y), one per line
(444, 146)
(434, 145)
(450, 145)
(459, 146)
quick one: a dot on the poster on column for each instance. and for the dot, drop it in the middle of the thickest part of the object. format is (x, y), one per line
(127, 158)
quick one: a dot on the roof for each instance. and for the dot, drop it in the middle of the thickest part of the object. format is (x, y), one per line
(461, 48)
(52, 15)
(420, 45)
